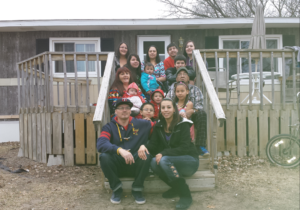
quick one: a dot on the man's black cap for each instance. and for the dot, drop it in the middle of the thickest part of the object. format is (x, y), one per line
(123, 101)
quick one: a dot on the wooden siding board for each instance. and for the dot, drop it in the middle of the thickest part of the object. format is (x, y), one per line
(49, 133)
(230, 131)
(25, 135)
(38, 138)
(44, 141)
(79, 138)
(274, 123)
(91, 140)
(263, 131)
(220, 139)
(252, 133)
(68, 139)
(33, 119)
(21, 130)
(57, 133)
(241, 133)
(3, 101)
(284, 122)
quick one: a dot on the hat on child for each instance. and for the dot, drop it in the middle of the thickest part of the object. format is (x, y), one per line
(134, 86)
(121, 101)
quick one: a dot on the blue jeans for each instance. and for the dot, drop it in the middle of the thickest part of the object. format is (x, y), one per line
(172, 167)
(114, 167)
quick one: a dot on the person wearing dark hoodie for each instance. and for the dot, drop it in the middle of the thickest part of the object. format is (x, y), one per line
(179, 61)
(118, 144)
(175, 154)
(156, 98)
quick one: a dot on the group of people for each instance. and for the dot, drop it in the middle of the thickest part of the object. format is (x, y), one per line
(154, 107)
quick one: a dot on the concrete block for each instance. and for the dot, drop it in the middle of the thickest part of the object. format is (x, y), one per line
(55, 160)
(21, 153)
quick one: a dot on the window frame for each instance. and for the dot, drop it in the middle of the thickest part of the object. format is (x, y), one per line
(277, 37)
(76, 40)
(152, 38)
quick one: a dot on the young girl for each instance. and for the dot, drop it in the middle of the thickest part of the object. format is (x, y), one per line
(184, 106)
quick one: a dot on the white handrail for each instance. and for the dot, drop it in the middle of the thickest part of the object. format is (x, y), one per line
(107, 80)
(220, 115)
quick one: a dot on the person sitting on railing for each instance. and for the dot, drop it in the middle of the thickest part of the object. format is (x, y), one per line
(179, 61)
(188, 53)
(122, 55)
(133, 93)
(172, 50)
(175, 154)
(199, 115)
(122, 80)
(118, 144)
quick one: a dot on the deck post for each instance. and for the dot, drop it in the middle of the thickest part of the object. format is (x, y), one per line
(283, 81)
(217, 72)
(272, 79)
(238, 80)
(261, 82)
(87, 83)
(65, 84)
(250, 80)
(19, 89)
(76, 83)
(294, 82)
(51, 83)
(98, 73)
(227, 80)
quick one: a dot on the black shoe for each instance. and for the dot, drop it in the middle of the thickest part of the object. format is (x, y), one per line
(138, 196)
(182, 188)
(116, 196)
(171, 193)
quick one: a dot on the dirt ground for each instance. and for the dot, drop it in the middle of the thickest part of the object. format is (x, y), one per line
(248, 183)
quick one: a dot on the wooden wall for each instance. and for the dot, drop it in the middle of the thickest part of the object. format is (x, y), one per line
(18, 46)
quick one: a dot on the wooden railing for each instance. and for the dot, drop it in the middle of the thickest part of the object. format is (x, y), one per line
(55, 112)
(36, 82)
(216, 115)
(257, 55)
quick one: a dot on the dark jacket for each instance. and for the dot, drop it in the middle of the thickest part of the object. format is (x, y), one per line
(114, 135)
(171, 74)
(179, 144)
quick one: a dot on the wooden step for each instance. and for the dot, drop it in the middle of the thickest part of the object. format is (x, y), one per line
(200, 181)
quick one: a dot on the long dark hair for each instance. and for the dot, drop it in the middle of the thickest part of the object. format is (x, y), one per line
(184, 51)
(118, 83)
(187, 96)
(176, 117)
(157, 58)
(134, 71)
(118, 55)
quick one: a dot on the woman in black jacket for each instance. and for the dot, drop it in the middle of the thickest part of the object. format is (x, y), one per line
(175, 154)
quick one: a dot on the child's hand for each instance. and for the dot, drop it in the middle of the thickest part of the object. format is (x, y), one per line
(149, 92)
(183, 114)
(147, 118)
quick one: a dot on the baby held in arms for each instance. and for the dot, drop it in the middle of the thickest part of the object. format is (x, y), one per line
(134, 95)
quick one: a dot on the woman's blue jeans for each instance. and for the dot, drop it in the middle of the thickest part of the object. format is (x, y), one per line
(172, 167)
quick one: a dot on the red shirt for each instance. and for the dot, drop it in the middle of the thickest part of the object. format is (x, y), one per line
(168, 63)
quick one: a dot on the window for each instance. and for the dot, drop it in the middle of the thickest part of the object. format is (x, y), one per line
(84, 45)
(242, 42)
(161, 42)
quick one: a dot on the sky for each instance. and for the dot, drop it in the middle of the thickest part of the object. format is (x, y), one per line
(86, 9)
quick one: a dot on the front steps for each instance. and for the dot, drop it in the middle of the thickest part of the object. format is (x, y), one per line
(202, 180)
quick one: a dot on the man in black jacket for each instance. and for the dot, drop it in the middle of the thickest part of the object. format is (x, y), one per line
(179, 61)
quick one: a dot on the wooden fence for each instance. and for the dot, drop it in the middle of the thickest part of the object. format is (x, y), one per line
(58, 123)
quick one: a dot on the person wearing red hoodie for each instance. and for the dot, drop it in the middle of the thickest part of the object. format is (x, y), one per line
(133, 93)
(156, 97)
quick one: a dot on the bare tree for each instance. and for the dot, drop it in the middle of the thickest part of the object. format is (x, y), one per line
(231, 8)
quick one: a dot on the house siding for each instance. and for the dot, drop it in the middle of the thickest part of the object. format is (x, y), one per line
(18, 46)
